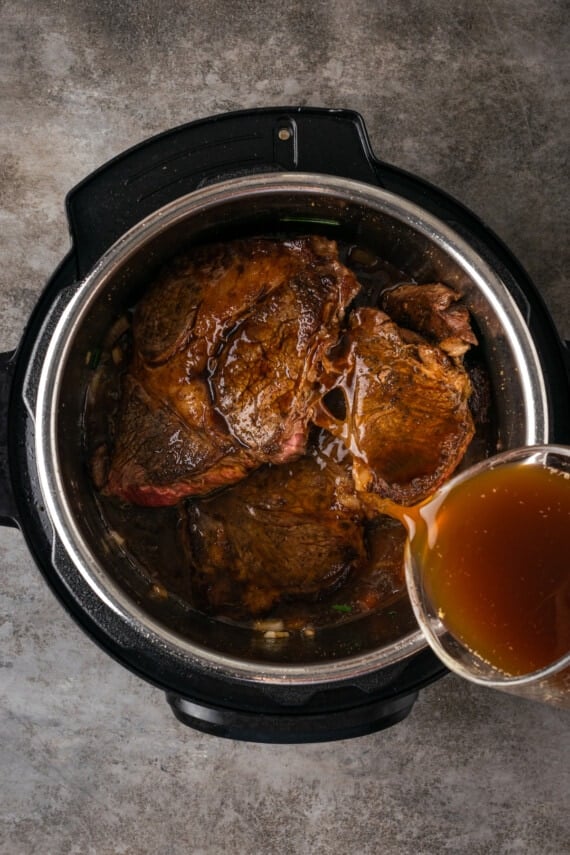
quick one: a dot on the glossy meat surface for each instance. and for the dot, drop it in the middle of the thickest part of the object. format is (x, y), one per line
(203, 293)
(407, 419)
(227, 348)
(288, 531)
(267, 374)
(434, 310)
(160, 457)
(239, 352)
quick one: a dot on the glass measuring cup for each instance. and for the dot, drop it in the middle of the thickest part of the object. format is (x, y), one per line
(488, 572)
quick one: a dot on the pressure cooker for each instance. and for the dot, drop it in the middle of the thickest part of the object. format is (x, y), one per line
(247, 172)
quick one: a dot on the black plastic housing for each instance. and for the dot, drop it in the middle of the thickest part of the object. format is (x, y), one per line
(101, 209)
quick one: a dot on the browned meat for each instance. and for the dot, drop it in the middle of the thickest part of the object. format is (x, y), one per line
(205, 292)
(386, 539)
(227, 348)
(285, 532)
(159, 458)
(434, 311)
(407, 419)
(265, 379)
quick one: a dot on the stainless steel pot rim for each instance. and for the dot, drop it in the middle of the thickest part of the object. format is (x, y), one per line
(76, 311)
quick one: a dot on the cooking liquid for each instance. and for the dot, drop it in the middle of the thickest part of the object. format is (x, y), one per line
(149, 535)
(494, 563)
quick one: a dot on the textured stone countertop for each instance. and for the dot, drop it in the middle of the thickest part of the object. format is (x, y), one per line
(472, 97)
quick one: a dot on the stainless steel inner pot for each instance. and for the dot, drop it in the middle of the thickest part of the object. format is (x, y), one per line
(54, 392)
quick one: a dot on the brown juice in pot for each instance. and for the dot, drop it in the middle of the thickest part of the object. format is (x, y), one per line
(494, 563)
(150, 537)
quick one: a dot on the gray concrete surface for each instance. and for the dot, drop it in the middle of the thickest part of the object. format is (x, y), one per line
(472, 96)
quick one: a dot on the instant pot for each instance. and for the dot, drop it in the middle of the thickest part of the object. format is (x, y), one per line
(258, 171)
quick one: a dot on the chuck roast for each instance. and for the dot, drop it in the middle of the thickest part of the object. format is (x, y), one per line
(433, 310)
(237, 350)
(267, 375)
(285, 532)
(227, 348)
(407, 421)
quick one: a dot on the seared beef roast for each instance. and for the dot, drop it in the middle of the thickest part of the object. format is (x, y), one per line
(288, 531)
(227, 348)
(266, 377)
(407, 420)
(237, 351)
(160, 457)
(434, 311)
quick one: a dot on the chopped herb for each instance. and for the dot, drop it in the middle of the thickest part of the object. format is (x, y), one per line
(322, 221)
(342, 608)
(93, 358)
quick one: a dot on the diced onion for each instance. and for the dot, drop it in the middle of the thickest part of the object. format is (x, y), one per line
(275, 625)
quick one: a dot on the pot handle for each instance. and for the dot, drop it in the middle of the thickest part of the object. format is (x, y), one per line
(8, 512)
(291, 728)
(304, 139)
